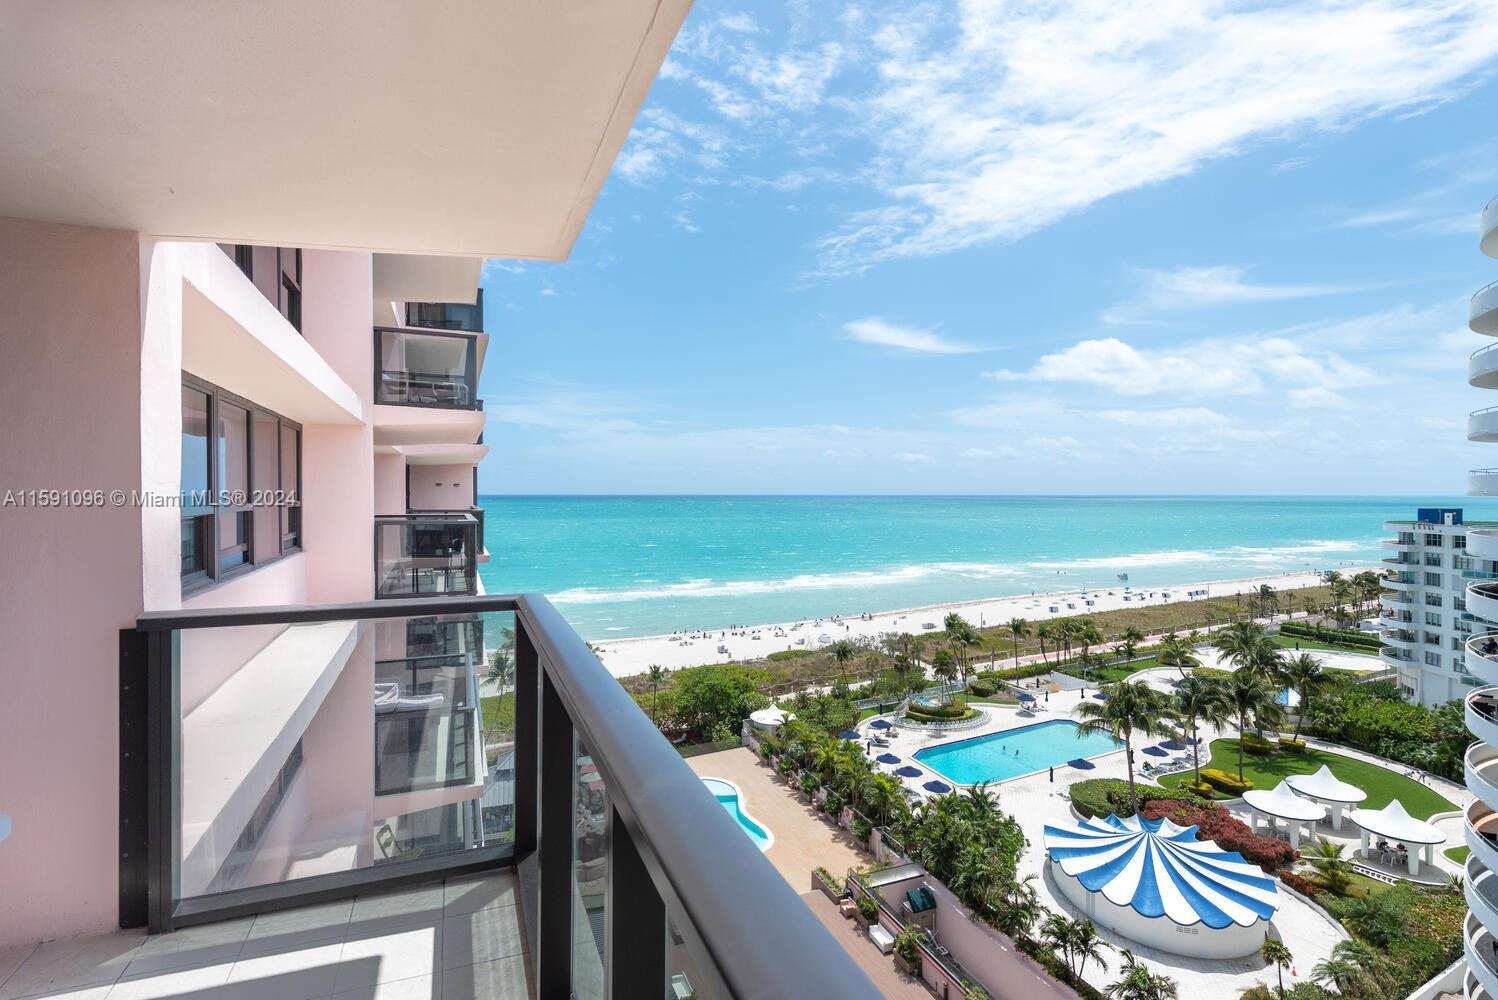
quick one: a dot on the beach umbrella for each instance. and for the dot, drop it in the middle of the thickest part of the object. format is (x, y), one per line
(1026, 697)
(939, 787)
(847, 734)
(1100, 696)
(881, 724)
(1156, 752)
(909, 772)
(887, 758)
(1173, 745)
(1082, 764)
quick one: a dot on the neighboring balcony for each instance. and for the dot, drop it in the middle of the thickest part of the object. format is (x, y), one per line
(1400, 544)
(1482, 659)
(1482, 543)
(1482, 314)
(1482, 959)
(1482, 717)
(1395, 601)
(426, 555)
(1482, 425)
(1481, 773)
(426, 386)
(1482, 483)
(1482, 368)
(1482, 600)
(1402, 581)
(427, 726)
(477, 513)
(1400, 638)
(1396, 657)
(464, 316)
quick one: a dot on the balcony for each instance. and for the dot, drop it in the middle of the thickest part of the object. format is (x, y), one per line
(1402, 581)
(1488, 229)
(1482, 956)
(477, 513)
(464, 316)
(1482, 368)
(1482, 314)
(427, 727)
(1482, 600)
(1482, 657)
(1482, 425)
(1400, 638)
(1395, 601)
(1482, 715)
(1395, 657)
(601, 817)
(426, 555)
(1482, 483)
(1481, 773)
(1400, 544)
(427, 368)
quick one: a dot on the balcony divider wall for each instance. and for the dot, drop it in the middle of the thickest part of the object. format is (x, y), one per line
(686, 898)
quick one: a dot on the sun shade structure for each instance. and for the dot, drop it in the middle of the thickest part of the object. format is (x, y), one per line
(1394, 825)
(847, 734)
(769, 719)
(1082, 764)
(909, 772)
(880, 724)
(1324, 786)
(1156, 752)
(887, 758)
(1026, 697)
(1173, 745)
(1155, 883)
(939, 787)
(1280, 802)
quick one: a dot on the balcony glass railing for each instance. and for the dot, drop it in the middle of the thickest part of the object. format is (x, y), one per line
(246, 787)
(427, 723)
(426, 555)
(448, 315)
(426, 368)
(477, 514)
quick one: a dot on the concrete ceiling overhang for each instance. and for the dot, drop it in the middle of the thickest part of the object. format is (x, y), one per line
(470, 128)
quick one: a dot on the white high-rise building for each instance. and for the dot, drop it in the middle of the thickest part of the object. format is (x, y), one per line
(1481, 982)
(1424, 617)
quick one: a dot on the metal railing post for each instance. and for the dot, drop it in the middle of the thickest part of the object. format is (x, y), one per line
(553, 952)
(634, 921)
(527, 734)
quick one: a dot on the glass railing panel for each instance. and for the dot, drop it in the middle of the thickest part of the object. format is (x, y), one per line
(318, 747)
(590, 871)
(426, 368)
(426, 555)
(448, 315)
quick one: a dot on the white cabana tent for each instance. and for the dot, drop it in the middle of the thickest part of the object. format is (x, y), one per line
(769, 719)
(1326, 787)
(1393, 823)
(1280, 802)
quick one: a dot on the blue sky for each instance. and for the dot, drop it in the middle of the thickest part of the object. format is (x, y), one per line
(1079, 247)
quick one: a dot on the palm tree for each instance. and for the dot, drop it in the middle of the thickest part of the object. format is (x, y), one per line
(842, 651)
(1057, 932)
(1130, 641)
(1335, 870)
(1199, 700)
(1132, 706)
(656, 673)
(1277, 954)
(1088, 634)
(1086, 944)
(501, 670)
(1019, 908)
(1249, 695)
(944, 666)
(1044, 631)
(1306, 675)
(1018, 629)
(1247, 646)
(1138, 983)
(883, 793)
(1368, 585)
(1177, 652)
(1341, 591)
(1349, 970)
(1267, 598)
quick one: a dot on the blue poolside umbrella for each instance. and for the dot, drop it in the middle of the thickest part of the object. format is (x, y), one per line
(1173, 745)
(1026, 697)
(880, 724)
(1156, 752)
(1082, 764)
(887, 758)
(939, 787)
(847, 734)
(909, 772)
(1100, 696)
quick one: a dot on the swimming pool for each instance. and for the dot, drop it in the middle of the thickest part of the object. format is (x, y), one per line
(1014, 752)
(727, 794)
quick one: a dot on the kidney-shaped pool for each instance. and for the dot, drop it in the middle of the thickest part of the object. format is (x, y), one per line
(727, 794)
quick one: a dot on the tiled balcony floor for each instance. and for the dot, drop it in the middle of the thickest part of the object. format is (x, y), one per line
(445, 941)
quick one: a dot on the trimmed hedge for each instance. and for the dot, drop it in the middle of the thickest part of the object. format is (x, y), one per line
(1225, 782)
(980, 687)
(1291, 744)
(1302, 885)
(1344, 636)
(1019, 673)
(940, 713)
(1101, 796)
(1254, 743)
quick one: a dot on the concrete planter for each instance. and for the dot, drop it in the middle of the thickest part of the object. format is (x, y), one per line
(828, 889)
(912, 969)
(861, 920)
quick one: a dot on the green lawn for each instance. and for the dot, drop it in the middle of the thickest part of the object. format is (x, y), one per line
(1111, 674)
(1458, 854)
(1382, 785)
(1296, 642)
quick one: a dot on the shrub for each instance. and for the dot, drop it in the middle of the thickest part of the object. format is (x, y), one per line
(1215, 823)
(788, 654)
(786, 765)
(980, 688)
(1016, 673)
(940, 713)
(827, 876)
(1225, 782)
(1204, 789)
(809, 784)
(1256, 744)
(861, 829)
(1301, 884)
(833, 804)
(1101, 796)
(907, 945)
(1292, 744)
(867, 908)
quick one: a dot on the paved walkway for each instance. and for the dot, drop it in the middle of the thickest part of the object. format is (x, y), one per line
(880, 968)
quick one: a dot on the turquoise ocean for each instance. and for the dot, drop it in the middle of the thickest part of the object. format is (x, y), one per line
(628, 566)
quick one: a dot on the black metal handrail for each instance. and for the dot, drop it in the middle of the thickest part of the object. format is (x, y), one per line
(673, 851)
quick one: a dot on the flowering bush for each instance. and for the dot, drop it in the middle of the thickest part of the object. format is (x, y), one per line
(1301, 884)
(1216, 824)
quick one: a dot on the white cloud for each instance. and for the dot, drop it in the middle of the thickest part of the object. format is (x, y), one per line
(913, 458)
(1314, 396)
(1005, 118)
(1003, 451)
(1168, 417)
(1199, 368)
(1185, 288)
(874, 330)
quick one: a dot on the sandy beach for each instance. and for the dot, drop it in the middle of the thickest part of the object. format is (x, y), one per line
(624, 657)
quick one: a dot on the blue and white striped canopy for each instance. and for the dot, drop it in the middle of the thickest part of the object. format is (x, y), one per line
(1161, 869)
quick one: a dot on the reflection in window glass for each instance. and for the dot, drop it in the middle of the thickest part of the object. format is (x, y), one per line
(233, 485)
(196, 517)
(589, 876)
